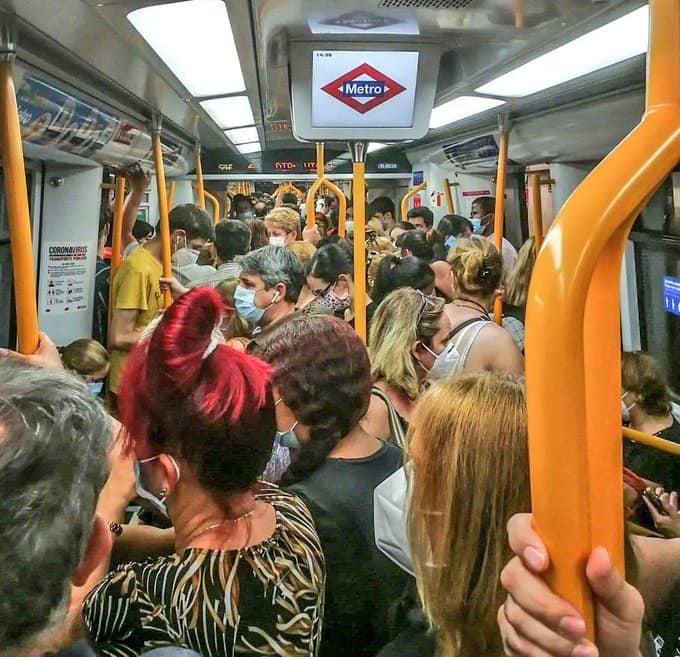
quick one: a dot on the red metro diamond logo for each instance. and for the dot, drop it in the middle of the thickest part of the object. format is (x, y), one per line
(363, 88)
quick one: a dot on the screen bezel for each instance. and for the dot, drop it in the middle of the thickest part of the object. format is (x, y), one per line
(301, 61)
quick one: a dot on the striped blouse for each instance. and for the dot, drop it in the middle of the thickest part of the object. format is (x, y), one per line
(263, 600)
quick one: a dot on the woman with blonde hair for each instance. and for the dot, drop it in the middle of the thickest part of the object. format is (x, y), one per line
(517, 285)
(407, 334)
(470, 474)
(283, 226)
(475, 341)
(89, 360)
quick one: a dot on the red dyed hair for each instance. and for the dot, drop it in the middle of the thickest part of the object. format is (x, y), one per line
(216, 412)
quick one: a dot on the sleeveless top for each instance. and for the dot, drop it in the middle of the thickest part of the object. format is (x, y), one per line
(397, 424)
(461, 339)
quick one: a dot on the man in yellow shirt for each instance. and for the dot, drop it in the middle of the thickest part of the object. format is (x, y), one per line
(136, 297)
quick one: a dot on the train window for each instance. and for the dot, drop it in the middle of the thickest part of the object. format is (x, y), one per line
(656, 236)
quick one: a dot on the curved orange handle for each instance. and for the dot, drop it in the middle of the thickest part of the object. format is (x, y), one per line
(407, 197)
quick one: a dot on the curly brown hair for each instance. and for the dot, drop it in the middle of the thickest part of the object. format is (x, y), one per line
(323, 374)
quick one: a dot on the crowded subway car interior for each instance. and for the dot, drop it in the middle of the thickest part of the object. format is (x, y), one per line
(340, 328)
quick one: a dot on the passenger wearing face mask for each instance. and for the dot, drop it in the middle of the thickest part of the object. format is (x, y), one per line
(482, 218)
(322, 377)
(136, 297)
(89, 360)
(646, 407)
(476, 342)
(330, 279)
(283, 226)
(269, 286)
(247, 575)
(242, 208)
(408, 333)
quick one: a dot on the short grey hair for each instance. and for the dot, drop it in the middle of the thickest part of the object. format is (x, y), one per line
(53, 442)
(275, 264)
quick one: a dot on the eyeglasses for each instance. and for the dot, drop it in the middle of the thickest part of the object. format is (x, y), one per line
(425, 302)
(324, 292)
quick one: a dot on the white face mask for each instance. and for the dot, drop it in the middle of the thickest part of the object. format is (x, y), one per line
(158, 503)
(184, 257)
(444, 363)
(277, 240)
(625, 410)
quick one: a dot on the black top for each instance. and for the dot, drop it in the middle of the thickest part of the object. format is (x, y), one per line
(653, 464)
(665, 627)
(361, 583)
(100, 313)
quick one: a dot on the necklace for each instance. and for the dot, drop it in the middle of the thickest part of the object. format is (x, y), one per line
(205, 530)
(479, 306)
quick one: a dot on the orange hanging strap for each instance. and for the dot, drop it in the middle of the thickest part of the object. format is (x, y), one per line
(17, 210)
(164, 223)
(499, 210)
(573, 333)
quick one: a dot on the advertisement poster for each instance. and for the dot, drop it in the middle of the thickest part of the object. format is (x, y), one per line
(65, 274)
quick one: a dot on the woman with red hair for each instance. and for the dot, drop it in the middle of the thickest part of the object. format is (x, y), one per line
(248, 573)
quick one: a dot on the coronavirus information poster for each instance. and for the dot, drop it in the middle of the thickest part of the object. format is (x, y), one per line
(64, 277)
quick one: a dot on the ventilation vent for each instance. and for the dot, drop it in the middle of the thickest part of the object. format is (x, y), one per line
(425, 4)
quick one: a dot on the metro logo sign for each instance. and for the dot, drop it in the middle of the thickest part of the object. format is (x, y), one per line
(363, 88)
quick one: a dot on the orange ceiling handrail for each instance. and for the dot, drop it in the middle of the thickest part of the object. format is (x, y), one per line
(572, 332)
(408, 196)
(18, 216)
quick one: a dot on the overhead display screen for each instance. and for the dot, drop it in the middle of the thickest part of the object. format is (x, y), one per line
(363, 89)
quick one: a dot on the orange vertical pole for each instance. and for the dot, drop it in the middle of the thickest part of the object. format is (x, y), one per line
(573, 332)
(536, 209)
(164, 223)
(499, 210)
(200, 189)
(449, 196)
(311, 194)
(116, 236)
(358, 150)
(17, 210)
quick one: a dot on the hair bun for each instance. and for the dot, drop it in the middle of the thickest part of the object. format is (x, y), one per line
(185, 335)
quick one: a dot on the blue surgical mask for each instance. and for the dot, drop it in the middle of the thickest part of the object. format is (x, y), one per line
(477, 228)
(158, 503)
(450, 241)
(248, 214)
(96, 387)
(244, 300)
(288, 438)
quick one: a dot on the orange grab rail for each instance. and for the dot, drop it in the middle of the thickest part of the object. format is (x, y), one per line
(359, 216)
(164, 223)
(651, 441)
(407, 197)
(572, 332)
(499, 209)
(214, 201)
(171, 194)
(318, 183)
(449, 196)
(17, 212)
(199, 187)
(116, 238)
(536, 209)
